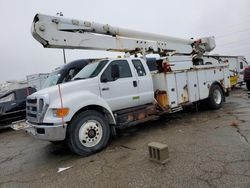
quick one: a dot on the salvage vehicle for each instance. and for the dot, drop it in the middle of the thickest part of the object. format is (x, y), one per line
(13, 105)
(116, 93)
(247, 77)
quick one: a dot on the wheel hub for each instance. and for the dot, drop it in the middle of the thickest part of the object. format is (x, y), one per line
(90, 133)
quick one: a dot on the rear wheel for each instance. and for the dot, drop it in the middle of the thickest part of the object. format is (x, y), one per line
(88, 133)
(216, 97)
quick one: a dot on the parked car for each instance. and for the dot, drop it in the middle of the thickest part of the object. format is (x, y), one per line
(247, 77)
(13, 105)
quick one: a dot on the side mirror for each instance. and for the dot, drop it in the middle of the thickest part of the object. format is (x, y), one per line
(115, 73)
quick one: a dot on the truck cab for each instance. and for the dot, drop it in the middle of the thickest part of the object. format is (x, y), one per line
(113, 84)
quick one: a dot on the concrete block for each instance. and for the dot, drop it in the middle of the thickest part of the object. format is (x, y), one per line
(158, 152)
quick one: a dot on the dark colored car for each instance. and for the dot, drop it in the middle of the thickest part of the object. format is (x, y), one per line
(247, 77)
(13, 105)
(66, 72)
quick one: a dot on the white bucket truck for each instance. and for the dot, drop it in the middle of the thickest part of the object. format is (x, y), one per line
(112, 94)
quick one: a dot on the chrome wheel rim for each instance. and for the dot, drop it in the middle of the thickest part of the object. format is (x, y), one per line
(90, 133)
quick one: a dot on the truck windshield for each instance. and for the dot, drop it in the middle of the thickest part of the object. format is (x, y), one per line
(52, 79)
(91, 70)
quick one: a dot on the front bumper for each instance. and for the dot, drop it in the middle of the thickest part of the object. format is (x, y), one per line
(45, 132)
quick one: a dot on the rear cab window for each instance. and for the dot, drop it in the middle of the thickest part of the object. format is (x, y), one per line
(139, 67)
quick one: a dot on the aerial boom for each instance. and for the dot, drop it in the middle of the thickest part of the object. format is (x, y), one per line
(60, 32)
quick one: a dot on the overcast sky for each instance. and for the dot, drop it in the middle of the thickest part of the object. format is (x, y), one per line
(21, 54)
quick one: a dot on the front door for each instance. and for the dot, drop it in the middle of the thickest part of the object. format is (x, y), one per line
(123, 91)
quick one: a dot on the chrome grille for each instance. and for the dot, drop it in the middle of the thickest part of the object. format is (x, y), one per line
(31, 110)
(36, 108)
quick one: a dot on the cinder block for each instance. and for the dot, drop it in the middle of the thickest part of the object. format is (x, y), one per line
(158, 152)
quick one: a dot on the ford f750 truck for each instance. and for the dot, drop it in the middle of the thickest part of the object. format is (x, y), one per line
(116, 93)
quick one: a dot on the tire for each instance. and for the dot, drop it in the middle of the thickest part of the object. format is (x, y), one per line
(216, 97)
(248, 85)
(88, 133)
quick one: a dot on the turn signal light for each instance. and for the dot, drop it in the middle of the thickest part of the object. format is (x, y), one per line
(61, 112)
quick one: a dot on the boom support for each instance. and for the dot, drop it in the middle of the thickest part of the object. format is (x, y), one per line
(60, 32)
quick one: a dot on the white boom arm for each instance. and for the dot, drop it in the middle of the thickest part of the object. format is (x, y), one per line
(60, 32)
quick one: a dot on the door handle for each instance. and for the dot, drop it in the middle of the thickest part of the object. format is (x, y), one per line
(13, 104)
(105, 89)
(135, 83)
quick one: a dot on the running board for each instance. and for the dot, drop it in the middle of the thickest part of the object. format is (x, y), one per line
(130, 124)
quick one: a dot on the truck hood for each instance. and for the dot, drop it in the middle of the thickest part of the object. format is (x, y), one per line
(90, 85)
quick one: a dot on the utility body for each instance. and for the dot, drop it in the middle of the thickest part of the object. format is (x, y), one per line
(111, 94)
(237, 65)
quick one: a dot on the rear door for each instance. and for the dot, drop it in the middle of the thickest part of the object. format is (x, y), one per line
(144, 82)
(122, 92)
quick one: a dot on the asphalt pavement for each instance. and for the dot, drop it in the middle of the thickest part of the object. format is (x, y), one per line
(207, 149)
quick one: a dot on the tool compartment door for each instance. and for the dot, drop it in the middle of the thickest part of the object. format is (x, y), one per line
(193, 91)
(202, 83)
(167, 82)
(181, 85)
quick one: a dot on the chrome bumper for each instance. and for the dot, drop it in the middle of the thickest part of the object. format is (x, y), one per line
(45, 132)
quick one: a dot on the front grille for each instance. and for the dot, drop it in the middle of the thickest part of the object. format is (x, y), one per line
(32, 101)
(31, 110)
(36, 109)
(32, 115)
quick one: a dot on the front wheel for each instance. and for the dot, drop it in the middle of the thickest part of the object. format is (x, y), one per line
(88, 133)
(216, 97)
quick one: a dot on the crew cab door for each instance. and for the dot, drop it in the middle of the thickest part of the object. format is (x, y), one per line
(144, 82)
(121, 92)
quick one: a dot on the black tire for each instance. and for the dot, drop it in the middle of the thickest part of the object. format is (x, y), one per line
(85, 123)
(248, 85)
(216, 97)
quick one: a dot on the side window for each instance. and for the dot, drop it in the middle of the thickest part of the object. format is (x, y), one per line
(21, 94)
(139, 67)
(124, 70)
(241, 65)
(8, 98)
(70, 74)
